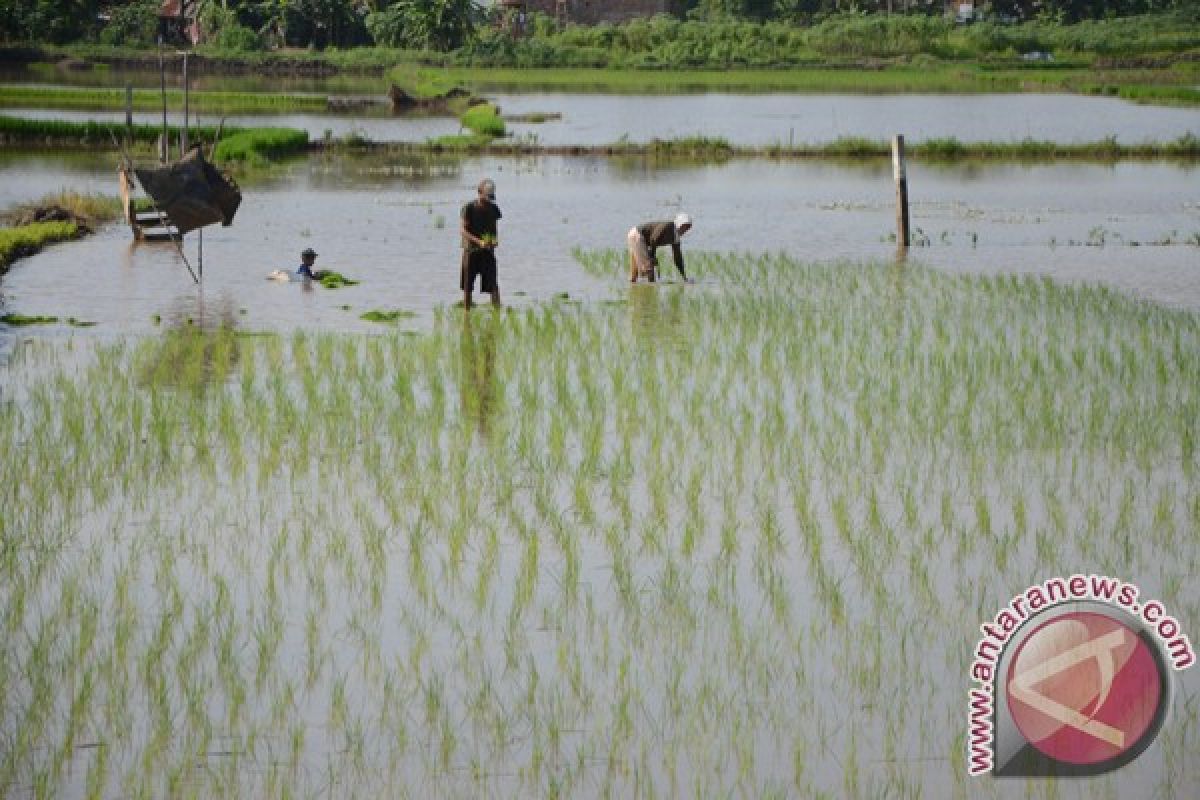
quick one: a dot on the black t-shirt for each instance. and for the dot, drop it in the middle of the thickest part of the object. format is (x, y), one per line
(481, 221)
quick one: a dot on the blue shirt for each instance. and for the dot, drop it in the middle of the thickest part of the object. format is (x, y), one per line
(305, 271)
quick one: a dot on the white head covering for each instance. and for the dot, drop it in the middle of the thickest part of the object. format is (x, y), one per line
(682, 219)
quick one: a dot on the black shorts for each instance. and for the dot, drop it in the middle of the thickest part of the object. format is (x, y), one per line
(481, 263)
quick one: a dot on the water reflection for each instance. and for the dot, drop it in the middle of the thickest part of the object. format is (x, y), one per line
(190, 357)
(479, 385)
(656, 315)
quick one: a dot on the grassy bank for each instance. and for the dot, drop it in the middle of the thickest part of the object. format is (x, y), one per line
(151, 100)
(58, 217)
(25, 240)
(415, 565)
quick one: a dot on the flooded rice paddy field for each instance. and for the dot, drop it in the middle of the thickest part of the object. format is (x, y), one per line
(759, 120)
(392, 222)
(731, 538)
(726, 539)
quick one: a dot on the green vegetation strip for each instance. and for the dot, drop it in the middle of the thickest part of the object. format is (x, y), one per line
(151, 100)
(415, 566)
(387, 316)
(21, 320)
(705, 149)
(17, 129)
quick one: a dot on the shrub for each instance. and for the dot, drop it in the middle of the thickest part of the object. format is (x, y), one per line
(238, 38)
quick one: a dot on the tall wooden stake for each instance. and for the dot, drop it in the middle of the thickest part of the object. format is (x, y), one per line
(183, 138)
(899, 172)
(128, 114)
(162, 84)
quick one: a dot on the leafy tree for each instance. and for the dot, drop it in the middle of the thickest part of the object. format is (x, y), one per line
(57, 21)
(426, 24)
(134, 25)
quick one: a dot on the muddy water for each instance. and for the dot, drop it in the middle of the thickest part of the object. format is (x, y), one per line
(391, 223)
(763, 120)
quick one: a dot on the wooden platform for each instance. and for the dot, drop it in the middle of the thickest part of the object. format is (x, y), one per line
(147, 226)
(153, 226)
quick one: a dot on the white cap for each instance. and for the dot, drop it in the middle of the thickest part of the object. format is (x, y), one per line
(487, 187)
(682, 219)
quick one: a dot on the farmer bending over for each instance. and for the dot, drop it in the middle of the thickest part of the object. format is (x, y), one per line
(479, 243)
(644, 241)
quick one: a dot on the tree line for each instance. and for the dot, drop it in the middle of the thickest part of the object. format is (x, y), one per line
(448, 25)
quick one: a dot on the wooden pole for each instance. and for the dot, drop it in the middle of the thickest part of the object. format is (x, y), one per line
(900, 174)
(128, 114)
(183, 138)
(162, 85)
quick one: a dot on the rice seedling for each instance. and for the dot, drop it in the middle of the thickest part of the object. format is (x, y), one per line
(483, 120)
(670, 568)
(386, 316)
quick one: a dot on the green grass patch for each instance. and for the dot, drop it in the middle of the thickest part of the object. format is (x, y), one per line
(1185, 96)
(387, 316)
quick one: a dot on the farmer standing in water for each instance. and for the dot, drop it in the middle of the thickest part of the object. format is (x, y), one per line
(644, 241)
(479, 241)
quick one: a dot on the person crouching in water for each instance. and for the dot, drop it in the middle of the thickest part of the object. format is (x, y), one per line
(308, 260)
(479, 241)
(644, 241)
